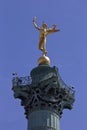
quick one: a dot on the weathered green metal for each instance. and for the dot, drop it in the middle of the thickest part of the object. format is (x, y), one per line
(43, 90)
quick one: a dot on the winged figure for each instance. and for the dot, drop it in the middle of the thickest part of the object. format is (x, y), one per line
(44, 31)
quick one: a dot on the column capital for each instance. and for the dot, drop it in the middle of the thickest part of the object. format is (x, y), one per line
(44, 91)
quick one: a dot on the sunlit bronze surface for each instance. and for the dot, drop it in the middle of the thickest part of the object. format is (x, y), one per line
(44, 31)
(43, 60)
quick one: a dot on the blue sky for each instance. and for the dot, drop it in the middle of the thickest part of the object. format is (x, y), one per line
(19, 52)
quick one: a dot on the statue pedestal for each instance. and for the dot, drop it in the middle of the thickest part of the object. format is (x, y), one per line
(44, 60)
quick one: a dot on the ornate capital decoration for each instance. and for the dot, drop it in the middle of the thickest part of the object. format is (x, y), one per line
(43, 89)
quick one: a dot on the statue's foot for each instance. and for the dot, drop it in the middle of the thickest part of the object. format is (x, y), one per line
(44, 53)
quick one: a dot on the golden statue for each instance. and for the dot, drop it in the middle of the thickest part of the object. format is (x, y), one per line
(44, 31)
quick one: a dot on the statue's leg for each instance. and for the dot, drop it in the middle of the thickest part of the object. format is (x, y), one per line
(44, 47)
(44, 50)
(41, 44)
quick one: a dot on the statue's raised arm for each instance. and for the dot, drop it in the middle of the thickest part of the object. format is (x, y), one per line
(35, 25)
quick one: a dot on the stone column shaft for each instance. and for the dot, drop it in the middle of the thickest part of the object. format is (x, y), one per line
(43, 120)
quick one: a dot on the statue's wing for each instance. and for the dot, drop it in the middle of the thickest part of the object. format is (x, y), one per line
(51, 30)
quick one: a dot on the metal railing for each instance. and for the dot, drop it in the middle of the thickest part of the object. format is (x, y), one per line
(27, 80)
(21, 81)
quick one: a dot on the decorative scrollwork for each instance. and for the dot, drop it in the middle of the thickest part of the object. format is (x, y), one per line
(50, 93)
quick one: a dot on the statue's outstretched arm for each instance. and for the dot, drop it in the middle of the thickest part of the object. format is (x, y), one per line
(52, 30)
(35, 25)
